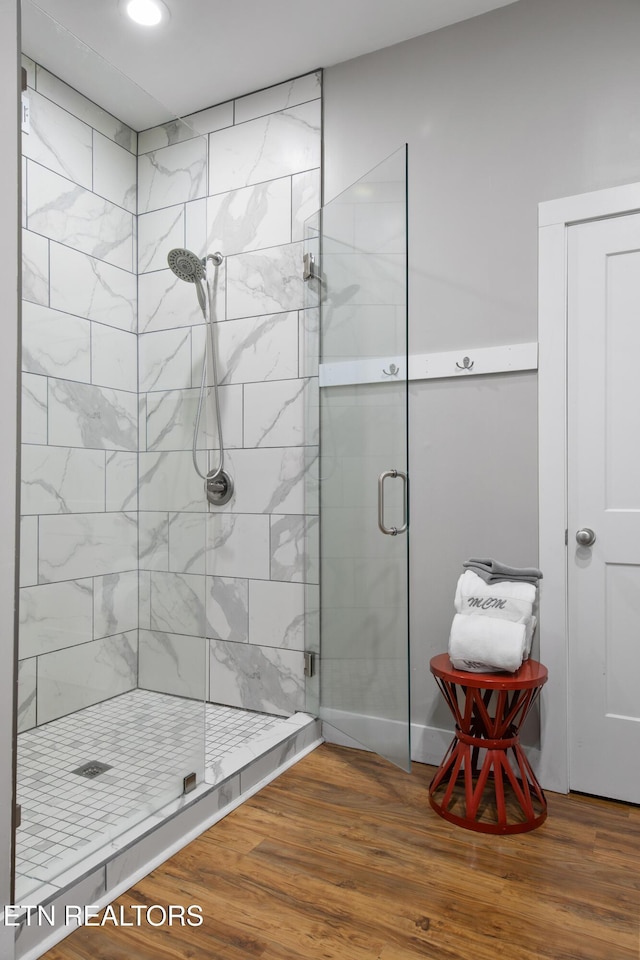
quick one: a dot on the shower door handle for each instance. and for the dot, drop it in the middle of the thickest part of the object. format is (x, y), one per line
(392, 531)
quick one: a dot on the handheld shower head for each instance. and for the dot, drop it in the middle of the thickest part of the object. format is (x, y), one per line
(186, 265)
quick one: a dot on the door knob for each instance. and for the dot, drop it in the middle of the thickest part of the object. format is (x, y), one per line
(586, 537)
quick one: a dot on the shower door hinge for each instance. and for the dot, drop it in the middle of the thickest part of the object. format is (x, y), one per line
(18, 815)
(309, 267)
(309, 664)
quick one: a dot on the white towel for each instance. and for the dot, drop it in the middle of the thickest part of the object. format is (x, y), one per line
(482, 644)
(505, 600)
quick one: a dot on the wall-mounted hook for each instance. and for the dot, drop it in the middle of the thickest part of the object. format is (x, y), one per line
(393, 371)
(467, 364)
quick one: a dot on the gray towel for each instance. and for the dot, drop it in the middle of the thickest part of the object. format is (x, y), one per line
(492, 571)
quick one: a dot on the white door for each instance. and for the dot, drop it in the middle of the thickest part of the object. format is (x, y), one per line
(604, 497)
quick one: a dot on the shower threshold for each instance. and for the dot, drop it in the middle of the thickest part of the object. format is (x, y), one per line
(148, 742)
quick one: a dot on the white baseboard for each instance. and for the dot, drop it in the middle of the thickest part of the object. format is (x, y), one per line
(428, 744)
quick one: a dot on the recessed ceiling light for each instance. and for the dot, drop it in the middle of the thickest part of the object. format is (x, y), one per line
(149, 13)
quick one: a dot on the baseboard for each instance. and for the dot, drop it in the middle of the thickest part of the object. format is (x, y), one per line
(428, 744)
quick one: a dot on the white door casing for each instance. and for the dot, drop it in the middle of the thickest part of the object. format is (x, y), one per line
(603, 486)
(558, 220)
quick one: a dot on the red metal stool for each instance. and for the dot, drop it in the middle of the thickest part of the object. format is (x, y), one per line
(485, 754)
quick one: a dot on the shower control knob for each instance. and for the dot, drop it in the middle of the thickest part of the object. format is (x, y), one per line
(586, 537)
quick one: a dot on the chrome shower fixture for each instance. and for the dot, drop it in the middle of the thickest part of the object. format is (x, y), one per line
(187, 266)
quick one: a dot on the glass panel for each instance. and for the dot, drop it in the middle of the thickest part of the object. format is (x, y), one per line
(112, 651)
(364, 662)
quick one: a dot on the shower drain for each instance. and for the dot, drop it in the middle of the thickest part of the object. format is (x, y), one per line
(92, 769)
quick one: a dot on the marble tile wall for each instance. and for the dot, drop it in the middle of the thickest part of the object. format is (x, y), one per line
(79, 543)
(125, 568)
(240, 178)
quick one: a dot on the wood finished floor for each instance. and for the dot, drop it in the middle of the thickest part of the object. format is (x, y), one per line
(342, 858)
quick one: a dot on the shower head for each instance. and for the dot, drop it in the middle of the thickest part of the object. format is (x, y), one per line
(186, 265)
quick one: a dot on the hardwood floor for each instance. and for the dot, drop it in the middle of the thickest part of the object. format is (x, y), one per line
(342, 858)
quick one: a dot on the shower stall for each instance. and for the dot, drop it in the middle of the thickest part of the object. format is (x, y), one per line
(180, 443)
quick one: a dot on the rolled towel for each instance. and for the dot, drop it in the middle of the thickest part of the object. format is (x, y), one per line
(480, 644)
(492, 571)
(505, 600)
(530, 629)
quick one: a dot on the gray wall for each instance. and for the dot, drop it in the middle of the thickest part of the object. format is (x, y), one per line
(9, 275)
(530, 102)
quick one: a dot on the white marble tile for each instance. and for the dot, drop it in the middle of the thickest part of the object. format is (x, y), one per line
(267, 480)
(144, 599)
(91, 288)
(178, 603)
(173, 664)
(84, 415)
(121, 481)
(27, 674)
(164, 302)
(195, 226)
(59, 141)
(114, 172)
(115, 604)
(277, 614)
(309, 341)
(256, 678)
(266, 148)
(172, 174)
(187, 543)
(54, 616)
(268, 281)
(258, 348)
(158, 233)
(195, 125)
(34, 409)
(58, 91)
(35, 267)
(305, 200)
(168, 482)
(86, 545)
(63, 211)
(250, 218)
(165, 360)
(228, 608)
(238, 545)
(294, 545)
(275, 413)
(298, 90)
(154, 540)
(28, 551)
(114, 358)
(55, 344)
(171, 417)
(69, 680)
(61, 480)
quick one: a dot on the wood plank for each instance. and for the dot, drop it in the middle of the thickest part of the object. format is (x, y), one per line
(342, 858)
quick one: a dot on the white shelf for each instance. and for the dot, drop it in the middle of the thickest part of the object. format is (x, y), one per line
(432, 366)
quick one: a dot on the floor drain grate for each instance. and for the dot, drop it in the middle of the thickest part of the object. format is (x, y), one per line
(92, 769)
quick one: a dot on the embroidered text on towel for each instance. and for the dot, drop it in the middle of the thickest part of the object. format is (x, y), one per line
(487, 604)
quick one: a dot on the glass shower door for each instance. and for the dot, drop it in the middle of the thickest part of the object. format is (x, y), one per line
(364, 634)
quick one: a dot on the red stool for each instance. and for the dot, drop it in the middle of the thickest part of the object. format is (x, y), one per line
(485, 754)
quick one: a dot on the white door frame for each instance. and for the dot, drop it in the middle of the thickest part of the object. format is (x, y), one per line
(555, 217)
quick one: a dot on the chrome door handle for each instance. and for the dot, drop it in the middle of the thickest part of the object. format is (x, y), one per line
(586, 537)
(391, 531)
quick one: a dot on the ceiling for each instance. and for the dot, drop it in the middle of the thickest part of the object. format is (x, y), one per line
(210, 51)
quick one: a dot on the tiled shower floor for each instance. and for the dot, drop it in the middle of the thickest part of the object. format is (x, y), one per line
(150, 740)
